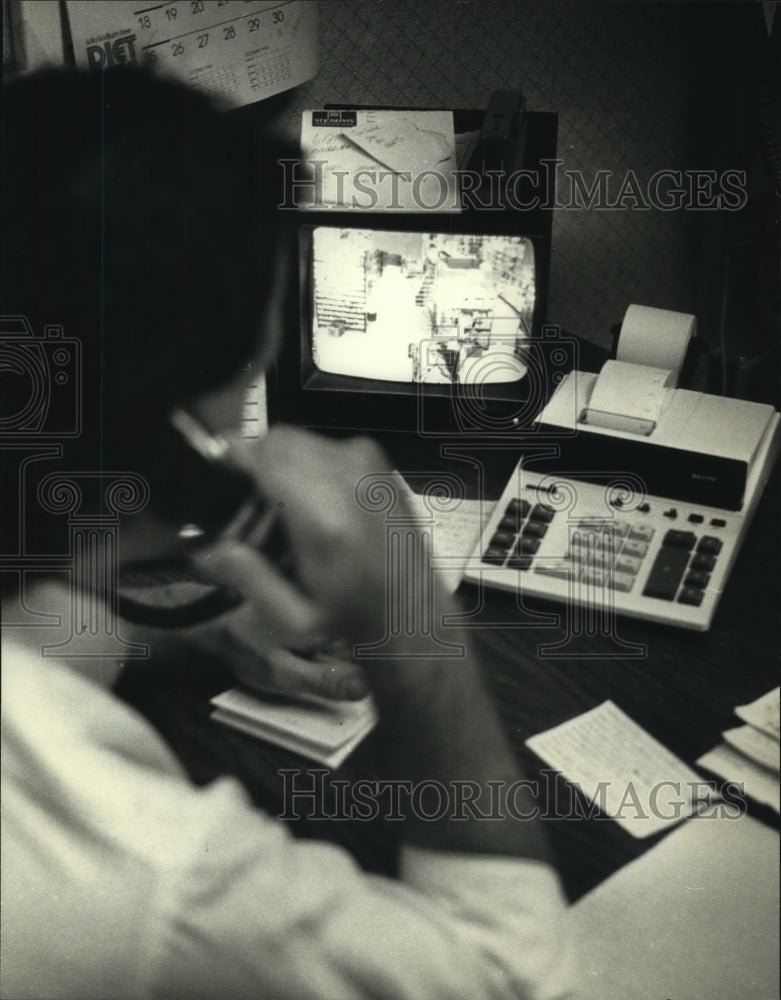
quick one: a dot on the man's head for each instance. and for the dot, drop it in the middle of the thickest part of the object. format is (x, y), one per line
(143, 221)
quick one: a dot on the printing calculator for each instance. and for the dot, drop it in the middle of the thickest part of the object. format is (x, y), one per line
(656, 542)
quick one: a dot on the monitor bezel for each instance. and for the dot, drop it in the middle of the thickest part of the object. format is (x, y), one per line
(301, 394)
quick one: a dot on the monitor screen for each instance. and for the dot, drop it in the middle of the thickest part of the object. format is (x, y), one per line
(421, 307)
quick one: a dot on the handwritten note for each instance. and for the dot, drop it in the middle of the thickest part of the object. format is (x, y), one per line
(455, 532)
(620, 767)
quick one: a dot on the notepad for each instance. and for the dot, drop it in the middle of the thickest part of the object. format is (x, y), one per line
(319, 729)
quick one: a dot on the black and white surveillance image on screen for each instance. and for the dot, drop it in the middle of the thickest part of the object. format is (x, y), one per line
(421, 307)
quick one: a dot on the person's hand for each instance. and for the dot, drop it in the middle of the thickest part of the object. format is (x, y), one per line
(337, 547)
(242, 642)
(280, 638)
(335, 582)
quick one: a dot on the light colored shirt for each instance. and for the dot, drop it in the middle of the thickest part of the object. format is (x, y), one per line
(121, 879)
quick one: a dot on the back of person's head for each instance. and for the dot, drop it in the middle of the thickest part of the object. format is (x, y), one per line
(141, 219)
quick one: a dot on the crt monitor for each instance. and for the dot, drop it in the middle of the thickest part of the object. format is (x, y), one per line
(417, 323)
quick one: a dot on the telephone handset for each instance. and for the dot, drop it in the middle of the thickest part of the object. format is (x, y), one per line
(200, 486)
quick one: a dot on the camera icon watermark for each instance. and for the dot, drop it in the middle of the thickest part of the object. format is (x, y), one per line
(41, 412)
(501, 391)
(41, 382)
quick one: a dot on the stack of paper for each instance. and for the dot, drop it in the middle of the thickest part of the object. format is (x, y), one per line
(749, 754)
(317, 728)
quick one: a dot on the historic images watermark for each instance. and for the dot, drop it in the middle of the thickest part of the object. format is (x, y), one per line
(42, 412)
(549, 186)
(305, 793)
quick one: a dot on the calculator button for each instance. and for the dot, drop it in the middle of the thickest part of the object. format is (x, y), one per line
(680, 539)
(596, 559)
(495, 557)
(512, 524)
(540, 512)
(691, 595)
(635, 549)
(560, 568)
(696, 518)
(718, 522)
(672, 513)
(602, 526)
(595, 577)
(710, 544)
(519, 562)
(584, 554)
(697, 578)
(517, 507)
(644, 508)
(527, 546)
(628, 564)
(502, 539)
(621, 581)
(595, 538)
(703, 561)
(641, 532)
(536, 529)
(666, 572)
(594, 542)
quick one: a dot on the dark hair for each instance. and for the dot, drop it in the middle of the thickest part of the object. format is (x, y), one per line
(142, 219)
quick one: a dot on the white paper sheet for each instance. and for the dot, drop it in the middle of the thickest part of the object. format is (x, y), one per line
(694, 918)
(321, 730)
(763, 714)
(240, 52)
(755, 744)
(618, 765)
(455, 533)
(758, 783)
(380, 161)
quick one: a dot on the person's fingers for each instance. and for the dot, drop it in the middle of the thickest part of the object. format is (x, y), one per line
(286, 672)
(338, 543)
(274, 612)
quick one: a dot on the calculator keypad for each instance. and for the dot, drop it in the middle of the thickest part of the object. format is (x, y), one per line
(606, 553)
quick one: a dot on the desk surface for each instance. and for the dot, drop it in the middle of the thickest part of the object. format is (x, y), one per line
(682, 689)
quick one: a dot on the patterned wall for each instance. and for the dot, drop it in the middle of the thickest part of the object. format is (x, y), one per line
(618, 75)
